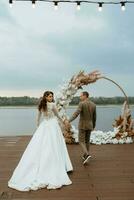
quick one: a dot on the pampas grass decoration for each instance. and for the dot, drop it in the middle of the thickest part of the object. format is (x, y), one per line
(124, 124)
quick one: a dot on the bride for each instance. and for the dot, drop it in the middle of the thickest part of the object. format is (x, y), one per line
(45, 162)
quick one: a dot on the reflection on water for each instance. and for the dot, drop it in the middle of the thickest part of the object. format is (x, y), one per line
(22, 121)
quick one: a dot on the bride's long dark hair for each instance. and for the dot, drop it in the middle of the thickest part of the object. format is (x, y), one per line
(43, 101)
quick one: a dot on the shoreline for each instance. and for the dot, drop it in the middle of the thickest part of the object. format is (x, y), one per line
(70, 106)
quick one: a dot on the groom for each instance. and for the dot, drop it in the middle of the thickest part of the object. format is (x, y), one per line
(87, 122)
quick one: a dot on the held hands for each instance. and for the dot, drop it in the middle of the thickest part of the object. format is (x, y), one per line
(67, 124)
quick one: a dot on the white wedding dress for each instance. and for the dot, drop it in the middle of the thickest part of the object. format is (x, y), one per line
(45, 162)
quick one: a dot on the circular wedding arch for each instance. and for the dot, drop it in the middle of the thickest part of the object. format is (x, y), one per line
(121, 89)
(77, 82)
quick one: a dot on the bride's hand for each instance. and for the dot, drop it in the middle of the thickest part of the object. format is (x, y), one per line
(65, 121)
(67, 124)
(61, 120)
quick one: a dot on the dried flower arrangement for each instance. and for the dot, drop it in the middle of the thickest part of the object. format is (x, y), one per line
(124, 124)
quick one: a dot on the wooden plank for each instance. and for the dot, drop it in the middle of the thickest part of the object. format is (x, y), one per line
(109, 175)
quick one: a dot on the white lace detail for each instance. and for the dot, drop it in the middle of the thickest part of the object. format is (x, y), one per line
(49, 113)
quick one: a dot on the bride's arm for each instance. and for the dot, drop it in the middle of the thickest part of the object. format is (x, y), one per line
(38, 118)
(55, 110)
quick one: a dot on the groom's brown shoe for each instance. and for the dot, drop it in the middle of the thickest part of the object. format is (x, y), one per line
(86, 159)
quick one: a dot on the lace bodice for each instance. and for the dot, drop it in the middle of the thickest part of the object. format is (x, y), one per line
(51, 110)
(50, 113)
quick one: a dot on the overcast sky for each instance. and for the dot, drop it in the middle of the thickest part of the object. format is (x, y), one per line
(41, 48)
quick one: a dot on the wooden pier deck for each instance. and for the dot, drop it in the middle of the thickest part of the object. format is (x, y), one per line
(109, 175)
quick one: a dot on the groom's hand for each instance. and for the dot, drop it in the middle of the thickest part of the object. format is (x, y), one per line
(67, 124)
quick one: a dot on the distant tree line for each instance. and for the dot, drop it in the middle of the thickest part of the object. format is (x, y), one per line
(104, 100)
(31, 101)
(18, 101)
